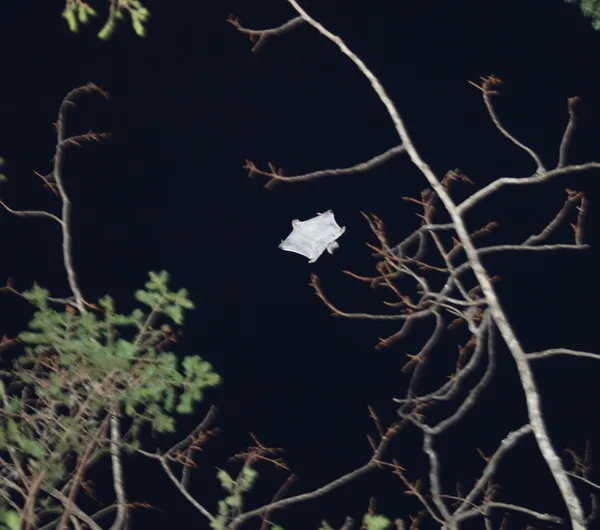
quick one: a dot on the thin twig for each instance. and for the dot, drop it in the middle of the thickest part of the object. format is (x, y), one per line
(551, 352)
(489, 86)
(259, 36)
(537, 178)
(276, 176)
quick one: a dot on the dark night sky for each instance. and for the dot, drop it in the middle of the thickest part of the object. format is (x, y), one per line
(191, 102)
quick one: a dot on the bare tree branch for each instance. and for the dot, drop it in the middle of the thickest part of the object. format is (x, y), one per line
(323, 490)
(117, 473)
(260, 36)
(537, 178)
(552, 352)
(488, 88)
(530, 389)
(276, 175)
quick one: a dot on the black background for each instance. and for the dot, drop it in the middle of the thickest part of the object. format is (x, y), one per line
(190, 102)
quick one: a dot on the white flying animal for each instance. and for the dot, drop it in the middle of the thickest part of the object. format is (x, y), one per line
(312, 237)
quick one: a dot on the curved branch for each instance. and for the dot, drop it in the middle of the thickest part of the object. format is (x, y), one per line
(57, 173)
(552, 352)
(275, 176)
(488, 88)
(31, 213)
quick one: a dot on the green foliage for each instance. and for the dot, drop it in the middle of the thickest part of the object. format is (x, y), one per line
(76, 368)
(590, 9)
(236, 489)
(9, 520)
(375, 521)
(78, 13)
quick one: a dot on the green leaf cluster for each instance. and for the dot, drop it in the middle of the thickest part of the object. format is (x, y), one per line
(373, 521)
(78, 12)
(236, 489)
(139, 17)
(590, 9)
(77, 367)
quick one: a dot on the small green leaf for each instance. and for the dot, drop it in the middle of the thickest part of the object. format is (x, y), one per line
(143, 14)
(90, 10)
(124, 350)
(107, 303)
(82, 14)
(107, 31)
(138, 27)
(11, 519)
(69, 15)
(227, 483)
(376, 522)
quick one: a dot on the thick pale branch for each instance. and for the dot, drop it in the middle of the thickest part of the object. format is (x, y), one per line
(117, 473)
